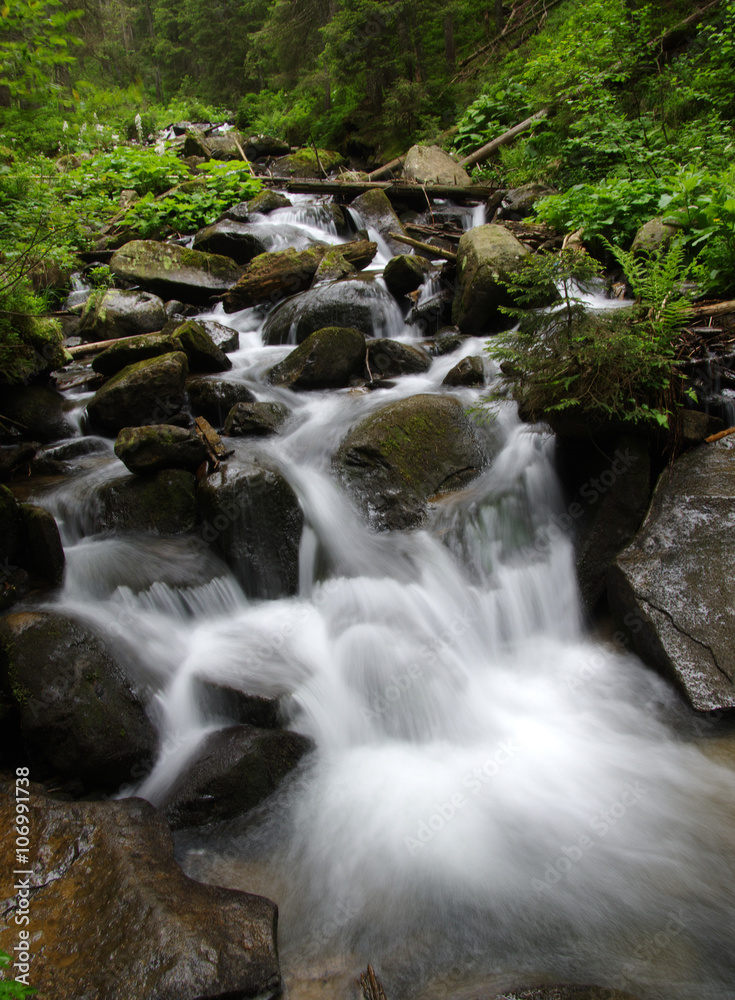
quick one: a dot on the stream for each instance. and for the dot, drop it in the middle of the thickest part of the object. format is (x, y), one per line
(497, 798)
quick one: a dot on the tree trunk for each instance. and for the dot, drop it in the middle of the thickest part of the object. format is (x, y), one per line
(499, 16)
(450, 51)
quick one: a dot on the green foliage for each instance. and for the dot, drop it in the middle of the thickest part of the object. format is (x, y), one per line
(490, 115)
(11, 989)
(34, 42)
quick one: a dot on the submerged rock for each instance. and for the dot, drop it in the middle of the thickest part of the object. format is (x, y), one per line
(673, 587)
(148, 392)
(233, 770)
(79, 717)
(174, 271)
(394, 460)
(118, 313)
(327, 359)
(145, 450)
(115, 916)
(486, 255)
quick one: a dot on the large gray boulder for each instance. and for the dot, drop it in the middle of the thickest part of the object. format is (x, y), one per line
(120, 313)
(79, 716)
(148, 392)
(173, 271)
(431, 165)
(327, 359)
(253, 517)
(673, 587)
(114, 915)
(486, 256)
(394, 460)
(377, 212)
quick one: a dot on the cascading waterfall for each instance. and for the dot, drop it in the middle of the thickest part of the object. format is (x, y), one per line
(495, 796)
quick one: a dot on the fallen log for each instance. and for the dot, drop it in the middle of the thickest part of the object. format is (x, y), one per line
(274, 276)
(425, 248)
(715, 308)
(489, 148)
(215, 445)
(371, 986)
(721, 434)
(96, 346)
(400, 190)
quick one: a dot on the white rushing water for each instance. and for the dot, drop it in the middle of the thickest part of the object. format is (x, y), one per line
(495, 796)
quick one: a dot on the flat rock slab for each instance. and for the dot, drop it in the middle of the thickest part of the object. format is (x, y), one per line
(673, 586)
(113, 915)
(173, 271)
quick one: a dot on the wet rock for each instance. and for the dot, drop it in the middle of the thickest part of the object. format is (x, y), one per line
(518, 203)
(44, 551)
(61, 459)
(202, 353)
(405, 273)
(144, 450)
(673, 587)
(214, 398)
(431, 165)
(173, 271)
(327, 359)
(16, 459)
(333, 266)
(254, 518)
(79, 716)
(148, 392)
(566, 993)
(377, 213)
(696, 426)
(39, 351)
(267, 201)
(226, 702)
(394, 460)
(163, 503)
(175, 307)
(359, 303)
(234, 770)
(485, 255)
(39, 413)
(242, 241)
(304, 163)
(130, 351)
(114, 915)
(118, 313)
(224, 337)
(31, 554)
(255, 418)
(388, 358)
(468, 372)
(447, 340)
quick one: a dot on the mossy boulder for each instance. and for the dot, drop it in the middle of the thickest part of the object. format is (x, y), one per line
(173, 271)
(118, 313)
(213, 398)
(31, 553)
(333, 266)
(227, 338)
(148, 392)
(132, 350)
(327, 359)
(267, 201)
(233, 770)
(44, 551)
(162, 503)
(79, 716)
(654, 235)
(486, 256)
(388, 358)
(255, 418)
(39, 413)
(253, 517)
(394, 460)
(467, 372)
(405, 273)
(201, 351)
(32, 349)
(242, 241)
(304, 163)
(145, 450)
(377, 213)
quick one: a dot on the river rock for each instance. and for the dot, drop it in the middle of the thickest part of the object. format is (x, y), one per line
(144, 450)
(405, 273)
(148, 392)
(118, 313)
(327, 359)
(333, 266)
(233, 770)
(223, 701)
(213, 398)
(654, 235)
(258, 146)
(267, 201)
(44, 551)
(114, 915)
(447, 340)
(31, 553)
(518, 203)
(174, 271)
(486, 255)
(431, 165)
(202, 353)
(227, 338)
(673, 587)
(255, 418)
(304, 163)
(253, 517)
(360, 303)
(242, 241)
(467, 372)
(377, 213)
(388, 358)
(394, 460)
(565, 993)
(41, 414)
(162, 503)
(79, 716)
(133, 349)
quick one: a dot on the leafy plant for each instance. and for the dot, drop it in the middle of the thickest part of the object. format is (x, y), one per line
(11, 989)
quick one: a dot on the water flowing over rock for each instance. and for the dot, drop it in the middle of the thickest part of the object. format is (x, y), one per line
(267, 201)
(242, 241)
(405, 273)
(119, 313)
(673, 586)
(254, 517)
(173, 271)
(485, 256)
(148, 392)
(431, 165)
(132, 924)
(359, 303)
(377, 212)
(398, 457)
(79, 718)
(327, 359)
(146, 450)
